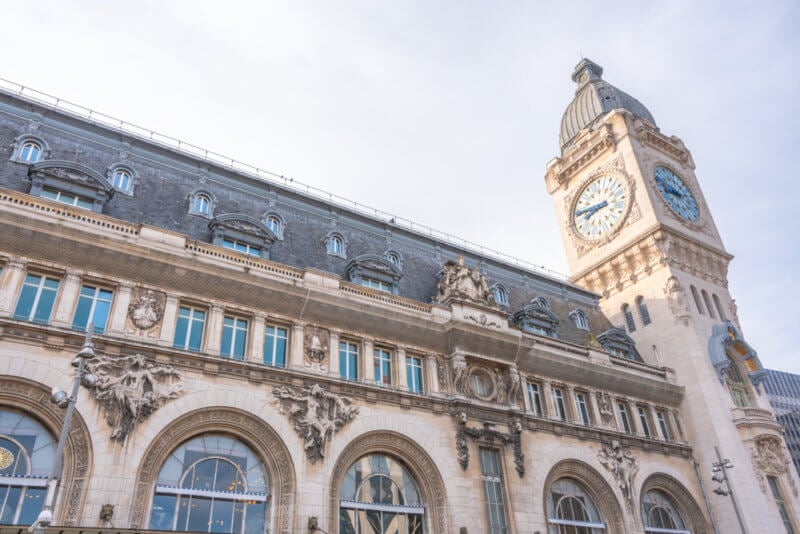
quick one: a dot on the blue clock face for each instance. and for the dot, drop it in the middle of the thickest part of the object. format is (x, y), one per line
(676, 194)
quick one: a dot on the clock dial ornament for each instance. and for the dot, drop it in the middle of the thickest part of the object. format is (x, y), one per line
(676, 194)
(599, 207)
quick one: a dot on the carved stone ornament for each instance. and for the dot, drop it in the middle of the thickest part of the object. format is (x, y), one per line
(483, 320)
(130, 388)
(460, 374)
(769, 459)
(623, 465)
(316, 414)
(606, 410)
(489, 435)
(315, 346)
(677, 299)
(459, 282)
(146, 308)
(514, 384)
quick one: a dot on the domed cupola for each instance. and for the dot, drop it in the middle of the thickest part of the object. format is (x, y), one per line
(594, 98)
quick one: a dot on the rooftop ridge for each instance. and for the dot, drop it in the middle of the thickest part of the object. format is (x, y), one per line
(173, 143)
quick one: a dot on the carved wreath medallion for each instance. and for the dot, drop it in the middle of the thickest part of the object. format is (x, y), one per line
(146, 308)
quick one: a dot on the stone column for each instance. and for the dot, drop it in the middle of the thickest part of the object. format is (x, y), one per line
(547, 399)
(13, 277)
(213, 339)
(67, 299)
(594, 409)
(656, 430)
(167, 336)
(636, 424)
(296, 345)
(256, 352)
(431, 373)
(675, 427)
(368, 362)
(333, 353)
(402, 375)
(571, 405)
(119, 309)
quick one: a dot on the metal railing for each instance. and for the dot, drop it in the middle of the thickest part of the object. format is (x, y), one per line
(263, 174)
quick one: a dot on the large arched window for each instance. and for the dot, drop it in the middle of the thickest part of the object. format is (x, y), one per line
(570, 510)
(659, 514)
(211, 483)
(27, 452)
(737, 385)
(379, 495)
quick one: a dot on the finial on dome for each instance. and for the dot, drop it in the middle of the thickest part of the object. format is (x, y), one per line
(587, 70)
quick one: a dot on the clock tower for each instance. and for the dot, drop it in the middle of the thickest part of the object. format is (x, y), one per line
(638, 231)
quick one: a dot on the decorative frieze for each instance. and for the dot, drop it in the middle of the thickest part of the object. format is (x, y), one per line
(491, 436)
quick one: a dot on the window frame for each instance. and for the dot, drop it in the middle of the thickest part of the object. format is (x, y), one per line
(118, 169)
(237, 334)
(191, 323)
(493, 487)
(582, 407)
(383, 375)
(349, 360)
(536, 398)
(273, 352)
(91, 313)
(26, 140)
(415, 368)
(624, 417)
(644, 314)
(559, 403)
(644, 420)
(31, 316)
(663, 424)
(335, 245)
(278, 227)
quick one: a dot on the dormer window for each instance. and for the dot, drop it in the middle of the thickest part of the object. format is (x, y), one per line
(580, 319)
(619, 344)
(274, 222)
(70, 183)
(500, 294)
(375, 272)
(393, 257)
(201, 203)
(536, 318)
(335, 245)
(121, 178)
(28, 149)
(242, 233)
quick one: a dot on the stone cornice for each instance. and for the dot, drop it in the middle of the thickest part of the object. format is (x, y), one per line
(670, 146)
(660, 247)
(586, 148)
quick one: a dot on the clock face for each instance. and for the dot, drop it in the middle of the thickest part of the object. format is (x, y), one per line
(599, 207)
(676, 194)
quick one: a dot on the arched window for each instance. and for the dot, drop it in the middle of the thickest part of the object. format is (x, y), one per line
(719, 308)
(211, 483)
(378, 494)
(274, 222)
(644, 315)
(27, 452)
(580, 319)
(659, 514)
(393, 257)
(121, 177)
(30, 152)
(570, 510)
(737, 385)
(201, 204)
(500, 294)
(697, 300)
(626, 313)
(335, 245)
(708, 304)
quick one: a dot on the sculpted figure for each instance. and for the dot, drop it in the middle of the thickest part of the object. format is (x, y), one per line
(146, 309)
(514, 384)
(501, 395)
(623, 465)
(459, 374)
(676, 297)
(457, 281)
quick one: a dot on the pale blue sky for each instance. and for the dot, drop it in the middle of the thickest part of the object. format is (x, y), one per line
(446, 112)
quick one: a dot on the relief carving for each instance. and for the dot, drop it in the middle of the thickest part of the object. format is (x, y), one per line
(623, 465)
(606, 410)
(769, 459)
(130, 388)
(316, 414)
(146, 308)
(316, 342)
(459, 282)
(483, 320)
(460, 375)
(488, 434)
(677, 299)
(514, 385)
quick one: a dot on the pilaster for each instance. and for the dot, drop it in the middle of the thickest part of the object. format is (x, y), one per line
(119, 308)
(333, 353)
(431, 373)
(296, 345)
(167, 336)
(213, 339)
(256, 352)
(12, 279)
(67, 299)
(367, 361)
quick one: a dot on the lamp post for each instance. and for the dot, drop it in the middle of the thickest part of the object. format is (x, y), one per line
(720, 475)
(60, 398)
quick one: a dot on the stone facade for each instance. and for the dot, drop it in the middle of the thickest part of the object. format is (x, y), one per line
(311, 336)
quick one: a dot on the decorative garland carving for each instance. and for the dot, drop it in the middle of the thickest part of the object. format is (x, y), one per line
(33, 399)
(770, 459)
(482, 320)
(623, 465)
(488, 434)
(130, 388)
(316, 414)
(423, 469)
(264, 441)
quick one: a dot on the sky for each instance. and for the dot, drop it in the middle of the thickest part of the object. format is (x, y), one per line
(447, 112)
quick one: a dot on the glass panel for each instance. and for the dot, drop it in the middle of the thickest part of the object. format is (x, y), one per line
(222, 516)
(163, 512)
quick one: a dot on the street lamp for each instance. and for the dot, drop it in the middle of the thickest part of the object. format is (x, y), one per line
(719, 470)
(60, 398)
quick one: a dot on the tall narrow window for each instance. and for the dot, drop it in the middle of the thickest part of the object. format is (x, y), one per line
(383, 367)
(662, 424)
(201, 204)
(348, 360)
(275, 339)
(234, 338)
(644, 420)
(500, 295)
(189, 328)
(583, 409)
(414, 373)
(708, 304)
(644, 315)
(696, 298)
(781, 504)
(535, 395)
(334, 244)
(493, 492)
(558, 404)
(274, 223)
(94, 304)
(36, 298)
(624, 418)
(626, 312)
(30, 152)
(719, 307)
(737, 385)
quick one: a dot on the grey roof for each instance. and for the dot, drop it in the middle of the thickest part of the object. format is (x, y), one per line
(594, 98)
